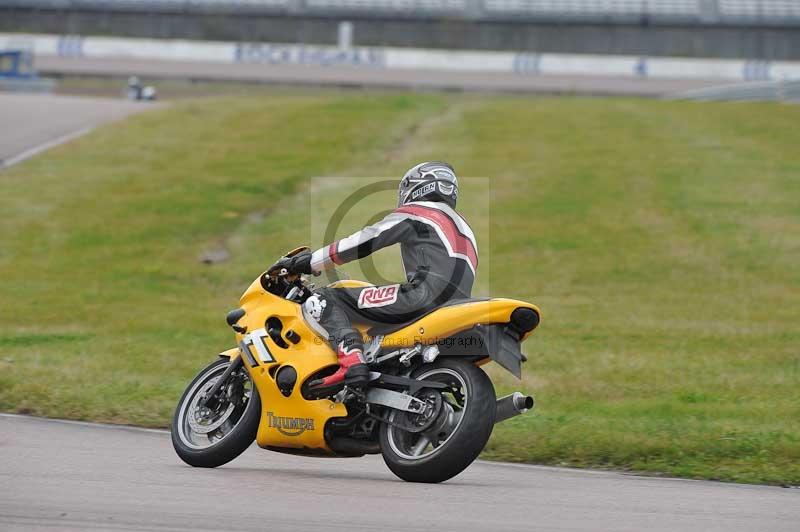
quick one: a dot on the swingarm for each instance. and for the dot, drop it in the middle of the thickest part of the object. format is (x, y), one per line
(378, 395)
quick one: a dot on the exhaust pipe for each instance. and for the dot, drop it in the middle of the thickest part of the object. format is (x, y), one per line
(512, 405)
(354, 447)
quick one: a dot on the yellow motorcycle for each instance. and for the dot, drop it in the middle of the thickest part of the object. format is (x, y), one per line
(428, 408)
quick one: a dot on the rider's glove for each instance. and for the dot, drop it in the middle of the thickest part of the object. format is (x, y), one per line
(300, 263)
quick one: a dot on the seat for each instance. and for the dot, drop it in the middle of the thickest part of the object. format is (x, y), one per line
(383, 329)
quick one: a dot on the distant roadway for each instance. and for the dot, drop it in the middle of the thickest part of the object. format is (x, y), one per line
(69, 476)
(32, 123)
(36, 122)
(345, 76)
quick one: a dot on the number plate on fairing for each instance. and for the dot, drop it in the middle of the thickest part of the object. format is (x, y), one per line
(256, 340)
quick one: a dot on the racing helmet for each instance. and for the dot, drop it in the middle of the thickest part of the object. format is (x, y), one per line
(430, 181)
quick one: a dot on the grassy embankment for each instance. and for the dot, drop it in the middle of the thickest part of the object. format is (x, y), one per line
(661, 240)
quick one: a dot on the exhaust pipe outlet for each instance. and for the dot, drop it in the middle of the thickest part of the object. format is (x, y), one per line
(512, 405)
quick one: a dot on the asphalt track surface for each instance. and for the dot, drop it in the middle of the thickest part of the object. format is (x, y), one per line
(71, 476)
(344, 76)
(32, 122)
(67, 476)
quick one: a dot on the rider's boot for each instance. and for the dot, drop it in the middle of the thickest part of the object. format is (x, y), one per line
(352, 370)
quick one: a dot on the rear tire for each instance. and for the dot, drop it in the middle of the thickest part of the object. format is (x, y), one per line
(464, 443)
(235, 434)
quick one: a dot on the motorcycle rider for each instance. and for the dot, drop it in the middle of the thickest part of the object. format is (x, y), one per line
(440, 258)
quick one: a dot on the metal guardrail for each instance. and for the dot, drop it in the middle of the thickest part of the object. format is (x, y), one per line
(155, 6)
(593, 7)
(384, 6)
(758, 9)
(781, 90)
(737, 12)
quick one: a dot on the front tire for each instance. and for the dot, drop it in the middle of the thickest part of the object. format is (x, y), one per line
(210, 438)
(455, 438)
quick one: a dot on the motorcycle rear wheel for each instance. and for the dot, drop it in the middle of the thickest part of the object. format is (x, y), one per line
(205, 437)
(454, 440)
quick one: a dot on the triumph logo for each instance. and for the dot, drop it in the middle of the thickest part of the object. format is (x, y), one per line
(379, 296)
(290, 426)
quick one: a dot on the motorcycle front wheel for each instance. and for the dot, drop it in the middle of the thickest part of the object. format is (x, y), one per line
(210, 437)
(440, 443)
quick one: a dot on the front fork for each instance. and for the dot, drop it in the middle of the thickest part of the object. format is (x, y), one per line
(211, 400)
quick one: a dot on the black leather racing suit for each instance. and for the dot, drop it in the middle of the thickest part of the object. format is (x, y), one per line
(440, 257)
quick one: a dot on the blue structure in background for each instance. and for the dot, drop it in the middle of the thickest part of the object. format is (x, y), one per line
(17, 64)
(17, 72)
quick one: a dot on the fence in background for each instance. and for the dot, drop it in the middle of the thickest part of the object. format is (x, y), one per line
(524, 64)
(782, 91)
(707, 12)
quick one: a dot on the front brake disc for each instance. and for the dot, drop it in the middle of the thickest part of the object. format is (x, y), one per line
(198, 422)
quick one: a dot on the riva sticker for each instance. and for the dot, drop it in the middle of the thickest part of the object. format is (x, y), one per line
(378, 296)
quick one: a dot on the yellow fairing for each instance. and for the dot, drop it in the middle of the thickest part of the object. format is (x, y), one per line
(447, 321)
(287, 421)
(230, 353)
(349, 283)
(294, 422)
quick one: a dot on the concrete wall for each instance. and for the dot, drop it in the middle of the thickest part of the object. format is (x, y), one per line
(769, 43)
(111, 52)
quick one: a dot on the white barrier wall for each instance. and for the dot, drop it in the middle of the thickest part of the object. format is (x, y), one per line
(523, 64)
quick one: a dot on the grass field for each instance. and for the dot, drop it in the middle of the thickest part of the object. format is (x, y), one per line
(661, 239)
